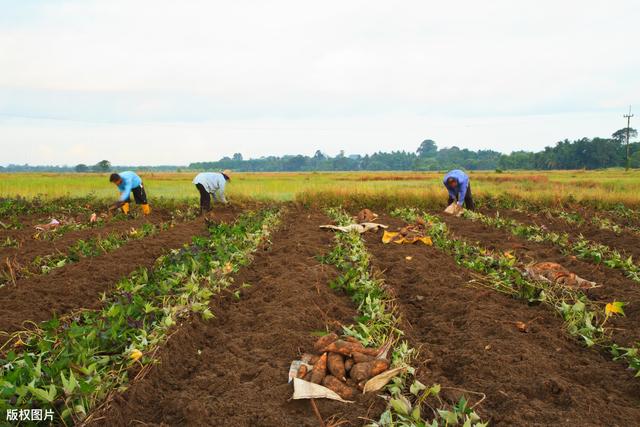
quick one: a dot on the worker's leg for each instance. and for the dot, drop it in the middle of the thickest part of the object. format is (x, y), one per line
(205, 198)
(468, 200)
(451, 200)
(140, 197)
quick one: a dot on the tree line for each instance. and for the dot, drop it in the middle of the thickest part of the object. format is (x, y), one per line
(584, 153)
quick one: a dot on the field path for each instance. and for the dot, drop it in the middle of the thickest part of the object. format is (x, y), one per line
(80, 284)
(469, 340)
(615, 286)
(232, 370)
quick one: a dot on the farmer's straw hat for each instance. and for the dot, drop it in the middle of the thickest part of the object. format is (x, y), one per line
(227, 173)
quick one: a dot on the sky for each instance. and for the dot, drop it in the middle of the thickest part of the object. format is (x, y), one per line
(141, 82)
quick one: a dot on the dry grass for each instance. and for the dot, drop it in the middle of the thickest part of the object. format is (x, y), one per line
(398, 188)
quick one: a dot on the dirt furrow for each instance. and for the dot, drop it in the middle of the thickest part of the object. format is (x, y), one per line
(31, 248)
(614, 285)
(469, 341)
(232, 370)
(79, 285)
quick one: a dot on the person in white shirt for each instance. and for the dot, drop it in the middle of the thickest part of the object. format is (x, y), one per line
(211, 184)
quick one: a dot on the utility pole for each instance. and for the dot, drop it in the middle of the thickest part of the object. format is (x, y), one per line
(628, 117)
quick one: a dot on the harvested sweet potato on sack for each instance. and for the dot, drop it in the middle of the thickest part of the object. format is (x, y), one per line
(360, 357)
(347, 348)
(348, 364)
(365, 370)
(343, 390)
(319, 370)
(335, 363)
(310, 359)
(324, 341)
(351, 339)
(302, 371)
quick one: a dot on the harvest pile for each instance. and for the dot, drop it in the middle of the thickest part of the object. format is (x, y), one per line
(409, 234)
(342, 364)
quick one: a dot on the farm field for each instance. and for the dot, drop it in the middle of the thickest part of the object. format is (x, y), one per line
(606, 187)
(180, 319)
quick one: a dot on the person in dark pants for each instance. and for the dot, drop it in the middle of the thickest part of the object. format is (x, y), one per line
(459, 188)
(129, 182)
(211, 184)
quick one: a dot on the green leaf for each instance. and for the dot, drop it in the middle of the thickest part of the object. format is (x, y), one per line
(400, 406)
(415, 414)
(416, 387)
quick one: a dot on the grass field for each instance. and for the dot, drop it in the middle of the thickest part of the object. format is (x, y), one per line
(555, 187)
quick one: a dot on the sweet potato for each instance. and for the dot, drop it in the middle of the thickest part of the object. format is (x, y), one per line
(319, 369)
(359, 357)
(309, 358)
(324, 341)
(307, 377)
(365, 370)
(348, 363)
(347, 348)
(351, 339)
(335, 363)
(302, 371)
(343, 390)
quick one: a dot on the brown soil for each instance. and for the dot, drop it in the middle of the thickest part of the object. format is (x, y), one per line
(232, 370)
(79, 285)
(469, 340)
(626, 243)
(30, 248)
(615, 286)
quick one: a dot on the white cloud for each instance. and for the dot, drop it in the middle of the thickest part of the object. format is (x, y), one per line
(128, 71)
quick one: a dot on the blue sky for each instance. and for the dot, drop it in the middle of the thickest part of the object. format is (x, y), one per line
(157, 82)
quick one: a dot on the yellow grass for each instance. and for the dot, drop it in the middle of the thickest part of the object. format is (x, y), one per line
(610, 186)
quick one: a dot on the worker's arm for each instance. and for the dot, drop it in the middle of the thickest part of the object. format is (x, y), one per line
(464, 184)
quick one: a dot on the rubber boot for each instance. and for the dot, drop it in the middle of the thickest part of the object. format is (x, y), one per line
(146, 209)
(125, 208)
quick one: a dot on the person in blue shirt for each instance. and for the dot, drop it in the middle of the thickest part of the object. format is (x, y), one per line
(211, 184)
(129, 182)
(459, 188)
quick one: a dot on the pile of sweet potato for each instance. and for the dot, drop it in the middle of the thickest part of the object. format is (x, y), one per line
(343, 365)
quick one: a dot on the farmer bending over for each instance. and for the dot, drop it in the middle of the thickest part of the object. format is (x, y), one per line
(459, 188)
(211, 184)
(128, 182)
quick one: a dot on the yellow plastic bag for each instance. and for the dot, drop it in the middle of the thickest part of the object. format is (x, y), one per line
(395, 237)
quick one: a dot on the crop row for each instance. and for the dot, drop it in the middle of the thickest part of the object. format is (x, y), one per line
(378, 324)
(582, 248)
(503, 272)
(602, 219)
(92, 247)
(71, 364)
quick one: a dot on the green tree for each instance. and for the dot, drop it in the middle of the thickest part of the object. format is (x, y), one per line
(427, 148)
(102, 166)
(621, 134)
(82, 168)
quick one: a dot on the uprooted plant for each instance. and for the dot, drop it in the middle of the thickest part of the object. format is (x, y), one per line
(582, 248)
